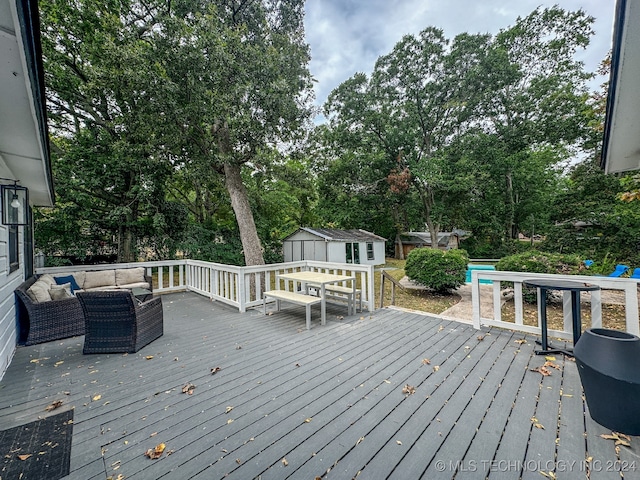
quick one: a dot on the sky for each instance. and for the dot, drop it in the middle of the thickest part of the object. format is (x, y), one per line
(348, 36)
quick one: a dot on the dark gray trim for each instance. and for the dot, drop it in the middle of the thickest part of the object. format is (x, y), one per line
(618, 29)
(29, 19)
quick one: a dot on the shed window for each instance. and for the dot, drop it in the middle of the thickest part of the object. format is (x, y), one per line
(370, 255)
(352, 252)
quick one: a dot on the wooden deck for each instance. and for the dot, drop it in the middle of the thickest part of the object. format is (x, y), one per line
(328, 402)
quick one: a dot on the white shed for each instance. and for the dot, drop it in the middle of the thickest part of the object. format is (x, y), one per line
(332, 245)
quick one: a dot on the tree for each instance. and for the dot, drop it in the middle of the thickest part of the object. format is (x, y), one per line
(234, 83)
(406, 113)
(531, 96)
(104, 159)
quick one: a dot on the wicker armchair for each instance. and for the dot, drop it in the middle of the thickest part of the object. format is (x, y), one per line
(44, 322)
(116, 323)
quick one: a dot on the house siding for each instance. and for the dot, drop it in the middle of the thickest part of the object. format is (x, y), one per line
(10, 281)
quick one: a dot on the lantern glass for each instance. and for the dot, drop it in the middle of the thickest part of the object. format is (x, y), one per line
(15, 203)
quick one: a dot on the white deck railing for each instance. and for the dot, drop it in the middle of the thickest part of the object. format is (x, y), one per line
(241, 287)
(629, 287)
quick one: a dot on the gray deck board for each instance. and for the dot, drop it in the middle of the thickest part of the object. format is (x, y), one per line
(328, 400)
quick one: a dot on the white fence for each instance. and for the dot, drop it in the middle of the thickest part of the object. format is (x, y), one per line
(241, 287)
(629, 287)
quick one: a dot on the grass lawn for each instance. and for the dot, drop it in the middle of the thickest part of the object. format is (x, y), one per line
(422, 300)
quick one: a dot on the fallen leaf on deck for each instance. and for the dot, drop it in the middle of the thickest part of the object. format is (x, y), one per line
(480, 337)
(58, 363)
(548, 474)
(96, 398)
(426, 361)
(54, 405)
(307, 420)
(436, 368)
(543, 370)
(398, 442)
(228, 409)
(619, 438)
(552, 365)
(441, 328)
(215, 370)
(24, 457)
(550, 358)
(155, 453)
(387, 381)
(408, 389)
(284, 462)
(149, 357)
(188, 388)
(521, 341)
(537, 424)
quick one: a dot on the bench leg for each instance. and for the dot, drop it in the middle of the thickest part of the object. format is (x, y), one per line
(308, 312)
(264, 304)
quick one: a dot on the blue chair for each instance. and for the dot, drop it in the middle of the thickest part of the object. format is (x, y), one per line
(636, 274)
(619, 271)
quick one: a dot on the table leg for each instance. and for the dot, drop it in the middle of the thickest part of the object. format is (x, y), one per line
(542, 313)
(323, 304)
(575, 312)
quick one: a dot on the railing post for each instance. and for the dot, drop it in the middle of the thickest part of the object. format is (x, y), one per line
(242, 290)
(631, 307)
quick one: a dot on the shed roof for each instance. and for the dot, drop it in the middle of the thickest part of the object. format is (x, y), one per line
(338, 235)
(425, 237)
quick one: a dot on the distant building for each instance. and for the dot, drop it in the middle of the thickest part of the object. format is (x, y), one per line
(409, 240)
(333, 245)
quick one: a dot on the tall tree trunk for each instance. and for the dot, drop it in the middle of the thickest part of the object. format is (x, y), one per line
(244, 216)
(426, 195)
(511, 208)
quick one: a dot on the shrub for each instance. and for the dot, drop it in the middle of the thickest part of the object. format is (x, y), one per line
(535, 261)
(441, 271)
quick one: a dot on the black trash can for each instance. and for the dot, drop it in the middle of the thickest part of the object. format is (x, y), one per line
(609, 367)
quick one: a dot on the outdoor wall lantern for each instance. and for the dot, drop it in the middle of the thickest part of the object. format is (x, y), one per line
(15, 203)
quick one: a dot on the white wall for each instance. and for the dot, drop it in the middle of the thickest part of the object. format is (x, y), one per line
(8, 283)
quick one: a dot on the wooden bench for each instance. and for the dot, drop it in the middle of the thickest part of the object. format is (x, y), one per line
(339, 292)
(291, 297)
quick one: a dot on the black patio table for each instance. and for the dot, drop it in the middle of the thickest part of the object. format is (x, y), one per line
(575, 288)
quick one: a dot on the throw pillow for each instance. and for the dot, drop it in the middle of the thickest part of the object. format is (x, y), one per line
(39, 292)
(68, 279)
(60, 292)
(48, 279)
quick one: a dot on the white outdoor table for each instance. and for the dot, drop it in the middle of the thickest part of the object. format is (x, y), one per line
(322, 279)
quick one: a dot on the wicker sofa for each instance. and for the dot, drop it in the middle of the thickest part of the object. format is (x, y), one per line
(43, 320)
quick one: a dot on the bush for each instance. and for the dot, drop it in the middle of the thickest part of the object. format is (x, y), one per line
(441, 271)
(535, 261)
